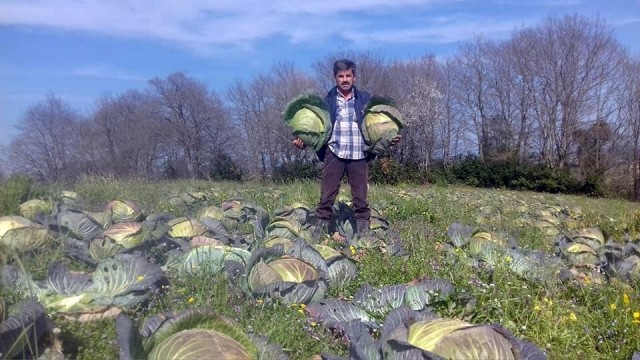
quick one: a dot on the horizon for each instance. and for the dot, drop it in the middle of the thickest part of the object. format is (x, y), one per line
(83, 51)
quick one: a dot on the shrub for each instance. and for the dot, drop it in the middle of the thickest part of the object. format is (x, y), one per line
(471, 171)
(224, 168)
(439, 174)
(297, 170)
(385, 171)
(16, 190)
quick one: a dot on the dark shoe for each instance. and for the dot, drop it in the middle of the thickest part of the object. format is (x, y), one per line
(362, 227)
(320, 229)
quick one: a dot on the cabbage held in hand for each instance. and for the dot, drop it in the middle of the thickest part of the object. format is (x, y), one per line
(308, 118)
(381, 124)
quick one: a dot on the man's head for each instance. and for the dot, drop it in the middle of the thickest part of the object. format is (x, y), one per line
(344, 72)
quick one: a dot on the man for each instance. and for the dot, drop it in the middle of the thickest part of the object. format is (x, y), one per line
(344, 152)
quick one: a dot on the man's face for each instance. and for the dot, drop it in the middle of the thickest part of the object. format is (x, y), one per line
(345, 79)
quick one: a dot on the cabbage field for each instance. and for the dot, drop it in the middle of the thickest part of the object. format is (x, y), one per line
(195, 269)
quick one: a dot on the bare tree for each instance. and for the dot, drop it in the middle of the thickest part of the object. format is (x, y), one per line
(516, 57)
(44, 145)
(416, 88)
(199, 126)
(472, 82)
(575, 59)
(507, 102)
(257, 108)
(592, 150)
(285, 82)
(453, 137)
(125, 138)
(629, 114)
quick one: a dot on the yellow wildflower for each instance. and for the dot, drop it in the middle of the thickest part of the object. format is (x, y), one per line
(140, 278)
(613, 306)
(302, 306)
(294, 305)
(507, 259)
(636, 317)
(301, 311)
(191, 300)
(259, 301)
(537, 307)
(548, 301)
(352, 249)
(313, 324)
(573, 317)
(625, 299)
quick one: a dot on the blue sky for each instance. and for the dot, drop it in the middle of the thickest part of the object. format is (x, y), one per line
(81, 49)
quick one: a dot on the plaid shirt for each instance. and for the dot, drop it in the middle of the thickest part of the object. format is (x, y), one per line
(346, 140)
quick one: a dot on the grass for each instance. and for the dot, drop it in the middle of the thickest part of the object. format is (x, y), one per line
(570, 320)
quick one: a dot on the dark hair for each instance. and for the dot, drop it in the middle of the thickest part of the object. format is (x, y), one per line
(343, 64)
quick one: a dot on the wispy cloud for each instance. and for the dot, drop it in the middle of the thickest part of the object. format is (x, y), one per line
(103, 71)
(443, 31)
(227, 25)
(32, 98)
(549, 4)
(628, 20)
(198, 22)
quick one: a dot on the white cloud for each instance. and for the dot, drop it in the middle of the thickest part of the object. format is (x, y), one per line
(198, 22)
(222, 26)
(103, 71)
(443, 31)
(626, 21)
(98, 70)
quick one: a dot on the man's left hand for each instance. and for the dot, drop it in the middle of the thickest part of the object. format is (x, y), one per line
(396, 139)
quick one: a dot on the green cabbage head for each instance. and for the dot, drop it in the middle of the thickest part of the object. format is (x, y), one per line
(308, 118)
(18, 234)
(198, 333)
(381, 123)
(457, 339)
(299, 276)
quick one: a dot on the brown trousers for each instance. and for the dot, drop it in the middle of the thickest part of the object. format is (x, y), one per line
(333, 170)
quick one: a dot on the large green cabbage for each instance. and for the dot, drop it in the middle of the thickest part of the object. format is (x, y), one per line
(192, 334)
(127, 234)
(123, 281)
(381, 123)
(19, 234)
(456, 339)
(288, 229)
(308, 118)
(211, 258)
(340, 269)
(124, 211)
(297, 276)
(186, 227)
(34, 207)
(80, 224)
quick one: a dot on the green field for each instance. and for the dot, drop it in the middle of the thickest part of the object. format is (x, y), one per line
(584, 315)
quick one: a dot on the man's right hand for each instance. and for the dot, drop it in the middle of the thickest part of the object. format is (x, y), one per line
(297, 142)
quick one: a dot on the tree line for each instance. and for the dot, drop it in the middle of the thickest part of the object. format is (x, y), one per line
(564, 93)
